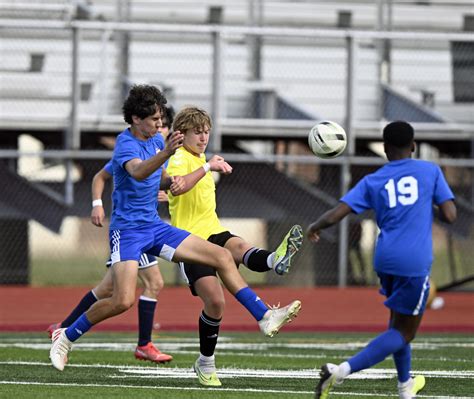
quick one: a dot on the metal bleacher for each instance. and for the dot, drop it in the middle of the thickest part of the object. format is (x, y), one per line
(319, 64)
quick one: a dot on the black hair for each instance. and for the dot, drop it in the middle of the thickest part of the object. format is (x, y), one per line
(142, 101)
(398, 134)
(169, 115)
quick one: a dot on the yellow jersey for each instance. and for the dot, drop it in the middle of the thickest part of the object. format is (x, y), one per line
(194, 211)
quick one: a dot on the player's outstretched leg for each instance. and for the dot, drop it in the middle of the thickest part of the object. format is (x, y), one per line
(59, 349)
(327, 379)
(276, 317)
(287, 249)
(152, 353)
(409, 389)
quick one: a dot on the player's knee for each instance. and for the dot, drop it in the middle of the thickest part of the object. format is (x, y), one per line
(215, 306)
(123, 304)
(224, 258)
(154, 289)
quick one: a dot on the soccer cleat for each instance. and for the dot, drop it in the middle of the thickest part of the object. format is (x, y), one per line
(326, 381)
(152, 353)
(208, 380)
(276, 317)
(409, 389)
(53, 327)
(59, 348)
(287, 249)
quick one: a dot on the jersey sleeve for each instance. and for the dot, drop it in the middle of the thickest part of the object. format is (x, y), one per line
(358, 197)
(109, 168)
(442, 192)
(125, 150)
(177, 165)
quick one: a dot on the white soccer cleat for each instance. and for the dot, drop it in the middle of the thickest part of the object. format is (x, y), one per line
(59, 349)
(409, 389)
(276, 317)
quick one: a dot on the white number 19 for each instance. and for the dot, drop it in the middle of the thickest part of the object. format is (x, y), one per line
(407, 188)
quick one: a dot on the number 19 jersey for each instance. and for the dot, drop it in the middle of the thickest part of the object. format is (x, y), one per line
(402, 194)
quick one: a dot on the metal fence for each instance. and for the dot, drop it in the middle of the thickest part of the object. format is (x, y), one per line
(260, 201)
(62, 85)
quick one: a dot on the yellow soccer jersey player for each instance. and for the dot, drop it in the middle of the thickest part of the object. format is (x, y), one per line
(194, 211)
(193, 208)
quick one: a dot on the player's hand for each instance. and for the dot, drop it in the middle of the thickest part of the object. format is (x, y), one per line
(178, 185)
(174, 141)
(219, 165)
(313, 233)
(162, 196)
(97, 216)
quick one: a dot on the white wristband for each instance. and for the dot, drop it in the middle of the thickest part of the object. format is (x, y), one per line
(97, 202)
(206, 167)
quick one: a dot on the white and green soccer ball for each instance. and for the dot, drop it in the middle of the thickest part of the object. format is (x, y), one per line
(327, 139)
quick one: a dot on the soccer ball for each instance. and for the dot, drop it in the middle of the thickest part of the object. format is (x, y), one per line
(327, 139)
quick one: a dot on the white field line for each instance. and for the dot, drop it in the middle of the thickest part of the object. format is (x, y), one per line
(167, 346)
(225, 338)
(156, 372)
(335, 392)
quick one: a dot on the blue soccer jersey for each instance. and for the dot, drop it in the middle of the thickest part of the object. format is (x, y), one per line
(134, 202)
(109, 168)
(402, 194)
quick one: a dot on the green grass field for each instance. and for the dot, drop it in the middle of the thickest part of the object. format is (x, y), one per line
(102, 365)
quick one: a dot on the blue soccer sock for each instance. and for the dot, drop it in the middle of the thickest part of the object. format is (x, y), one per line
(247, 297)
(86, 302)
(402, 360)
(378, 349)
(78, 328)
(146, 314)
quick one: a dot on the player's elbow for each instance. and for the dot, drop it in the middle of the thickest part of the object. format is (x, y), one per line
(448, 212)
(137, 175)
(450, 217)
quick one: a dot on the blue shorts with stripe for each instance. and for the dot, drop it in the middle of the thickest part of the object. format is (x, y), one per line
(157, 238)
(405, 295)
(146, 261)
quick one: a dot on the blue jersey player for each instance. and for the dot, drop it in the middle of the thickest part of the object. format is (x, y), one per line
(148, 272)
(404, 193)
(140, 152)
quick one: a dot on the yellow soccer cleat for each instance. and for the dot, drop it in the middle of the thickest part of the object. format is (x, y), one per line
(206, 379)
(290, 245)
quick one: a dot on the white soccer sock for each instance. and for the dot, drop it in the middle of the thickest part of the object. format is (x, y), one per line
(344, 369)
(207, 363)
(405, 389)
(270, 260)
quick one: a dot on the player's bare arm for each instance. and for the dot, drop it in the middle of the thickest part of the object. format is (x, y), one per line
(98, 184)
(447, 212)
(216, 164)
(175, 184)
(327, 219)
(140, 169)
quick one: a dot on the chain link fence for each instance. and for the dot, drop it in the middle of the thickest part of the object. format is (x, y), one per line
(63, 75)
(259, 201)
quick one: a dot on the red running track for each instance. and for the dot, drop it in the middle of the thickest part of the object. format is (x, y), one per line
(323, 309)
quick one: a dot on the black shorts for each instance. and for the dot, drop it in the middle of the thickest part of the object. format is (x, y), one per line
(192, 272)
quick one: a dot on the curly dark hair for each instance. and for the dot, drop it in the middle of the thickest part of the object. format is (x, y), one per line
(142, 101)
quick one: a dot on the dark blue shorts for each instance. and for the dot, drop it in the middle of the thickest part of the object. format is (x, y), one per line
(405, 295)
(159, 239)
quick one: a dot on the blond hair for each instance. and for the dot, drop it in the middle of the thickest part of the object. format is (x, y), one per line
(191, 118)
